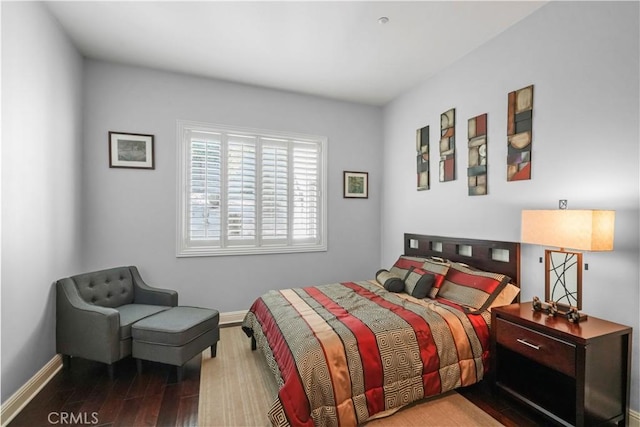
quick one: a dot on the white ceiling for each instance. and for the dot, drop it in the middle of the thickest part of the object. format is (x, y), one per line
(334, 49)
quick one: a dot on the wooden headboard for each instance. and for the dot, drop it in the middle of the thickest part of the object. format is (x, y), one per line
(488, 255)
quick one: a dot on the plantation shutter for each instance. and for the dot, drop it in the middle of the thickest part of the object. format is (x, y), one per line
(306, 193)
(204, 188)
(275, 191)
(249, 193)
(241, 190)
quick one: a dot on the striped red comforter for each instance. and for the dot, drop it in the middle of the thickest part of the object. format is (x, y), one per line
(346, 351)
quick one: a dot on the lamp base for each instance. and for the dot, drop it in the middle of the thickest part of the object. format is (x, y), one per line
(574, 316)
(551, 309)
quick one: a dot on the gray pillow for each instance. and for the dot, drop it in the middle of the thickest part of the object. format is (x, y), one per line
(418, 282)
(389, 281)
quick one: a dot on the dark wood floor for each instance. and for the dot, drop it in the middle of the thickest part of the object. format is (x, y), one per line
(502, 408)
(155, 398)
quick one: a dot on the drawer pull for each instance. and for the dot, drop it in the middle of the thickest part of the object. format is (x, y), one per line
(521, 341)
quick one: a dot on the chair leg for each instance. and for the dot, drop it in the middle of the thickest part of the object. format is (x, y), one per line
(111, 370)
(179, 372)
(139, 366)
(214, 347)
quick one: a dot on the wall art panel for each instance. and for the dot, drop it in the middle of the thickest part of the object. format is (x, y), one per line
(519, 137)
(422, 147)
(448, 145)
(477, 170)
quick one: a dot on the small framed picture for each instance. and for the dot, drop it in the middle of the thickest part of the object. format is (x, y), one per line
(130, 150)
(356, 185)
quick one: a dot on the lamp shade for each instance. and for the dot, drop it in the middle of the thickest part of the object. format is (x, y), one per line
(588, 230)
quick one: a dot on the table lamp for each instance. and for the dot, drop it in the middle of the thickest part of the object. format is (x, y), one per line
(582, 230)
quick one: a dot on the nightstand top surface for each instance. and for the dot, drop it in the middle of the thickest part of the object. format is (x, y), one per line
(591, 328)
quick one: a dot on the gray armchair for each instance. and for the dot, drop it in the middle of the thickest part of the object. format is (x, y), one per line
(95, 311)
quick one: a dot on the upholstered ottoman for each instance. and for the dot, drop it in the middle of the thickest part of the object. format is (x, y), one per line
(175, 336)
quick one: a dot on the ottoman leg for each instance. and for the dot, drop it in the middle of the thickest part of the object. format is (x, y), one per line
(214, 347)
(179, 372)
(110, 370)
(139, 366)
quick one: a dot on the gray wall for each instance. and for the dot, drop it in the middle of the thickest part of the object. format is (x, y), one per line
(130, 215)
(582, 58)
(41, 154)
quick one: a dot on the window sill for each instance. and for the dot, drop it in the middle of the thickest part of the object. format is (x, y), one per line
(244, 250)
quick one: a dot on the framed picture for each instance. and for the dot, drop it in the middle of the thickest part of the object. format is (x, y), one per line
(356, 185)
(130, 150)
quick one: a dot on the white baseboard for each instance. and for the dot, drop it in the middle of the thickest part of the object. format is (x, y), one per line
(232, 317)
(28, 391)
(634, 419)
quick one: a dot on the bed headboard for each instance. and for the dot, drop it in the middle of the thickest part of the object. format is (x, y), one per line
(488, 255)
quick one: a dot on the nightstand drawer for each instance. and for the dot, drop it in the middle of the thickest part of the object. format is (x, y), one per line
(549, 351)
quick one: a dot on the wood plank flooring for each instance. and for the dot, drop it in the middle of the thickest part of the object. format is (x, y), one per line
(504, 409)
(85, 394)
(155, 398)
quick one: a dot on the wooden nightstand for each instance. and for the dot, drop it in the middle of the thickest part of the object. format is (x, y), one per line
(573, 373)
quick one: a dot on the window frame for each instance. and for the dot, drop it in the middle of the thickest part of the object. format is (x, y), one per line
(185, 247)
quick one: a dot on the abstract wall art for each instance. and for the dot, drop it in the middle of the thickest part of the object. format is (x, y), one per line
(422, 146)
(519, 128)
(448, 145)
(477, 170)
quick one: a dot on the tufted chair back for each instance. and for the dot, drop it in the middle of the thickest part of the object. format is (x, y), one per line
(106, 288)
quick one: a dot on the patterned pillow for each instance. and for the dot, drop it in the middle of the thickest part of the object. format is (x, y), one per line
(389, 281)
(471, 288)
(404, 263)
(439, 269)
(418, 282)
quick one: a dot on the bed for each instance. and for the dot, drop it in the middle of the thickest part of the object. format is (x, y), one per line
(345, 353)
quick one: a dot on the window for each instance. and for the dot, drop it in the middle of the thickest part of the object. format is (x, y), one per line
(247, 191)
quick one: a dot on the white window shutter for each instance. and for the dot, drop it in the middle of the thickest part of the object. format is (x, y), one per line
(246, 191)
(275, 204)
(204, 187)
(306, 192)
(241, 189)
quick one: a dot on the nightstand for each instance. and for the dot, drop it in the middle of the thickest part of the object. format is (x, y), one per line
(573, 373)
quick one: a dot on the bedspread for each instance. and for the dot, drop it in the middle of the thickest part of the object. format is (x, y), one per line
(346, 351)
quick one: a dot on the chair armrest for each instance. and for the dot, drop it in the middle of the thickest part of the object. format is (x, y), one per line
(145, 294)
(85, 330)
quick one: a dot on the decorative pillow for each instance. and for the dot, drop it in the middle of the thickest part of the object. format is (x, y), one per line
(474, 289)
(418, 282)
(389, 281)
(506, 296)
(439, 270)
(404, 263)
